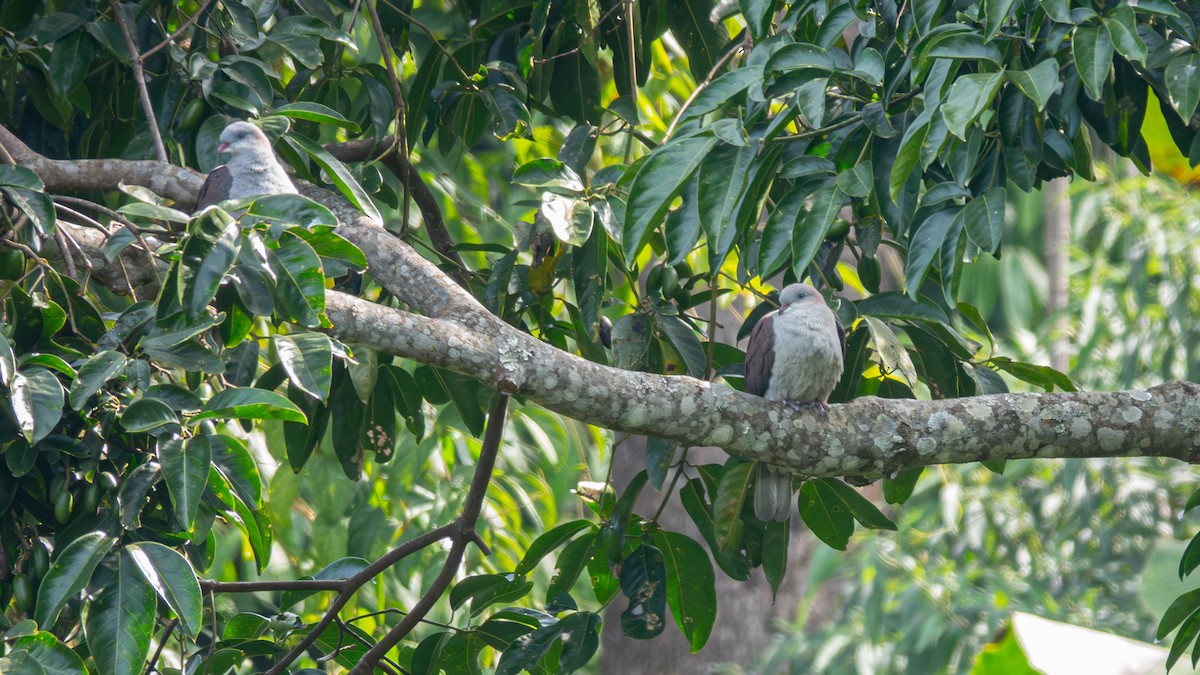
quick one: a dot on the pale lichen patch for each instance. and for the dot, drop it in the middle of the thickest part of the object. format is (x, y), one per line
(1131, 414)
(1111, 439)
(1080, 428)
(721, 435)
(1140, 395)
(926, 445)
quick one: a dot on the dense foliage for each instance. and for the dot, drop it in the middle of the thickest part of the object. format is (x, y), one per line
(575, 164)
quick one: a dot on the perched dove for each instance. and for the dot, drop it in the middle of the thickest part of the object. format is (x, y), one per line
(252, 169)
(794, 355)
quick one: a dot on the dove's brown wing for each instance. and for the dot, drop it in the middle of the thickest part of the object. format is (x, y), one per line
(215, 189)
(760, 356)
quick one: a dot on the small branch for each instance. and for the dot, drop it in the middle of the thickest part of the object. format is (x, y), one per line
(712, 74)
(466, 533)
(288, 585)
(151, 665)
(175, 36)
(398, 96)
(351, 586)
(410, 178)
(140, 77)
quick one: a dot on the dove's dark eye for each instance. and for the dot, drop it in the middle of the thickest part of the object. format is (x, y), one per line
(242, 135)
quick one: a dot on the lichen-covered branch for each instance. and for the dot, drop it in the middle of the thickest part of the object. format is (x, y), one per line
(868, 436)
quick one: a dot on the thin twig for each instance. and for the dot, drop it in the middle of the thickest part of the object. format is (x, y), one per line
(140, 77)
(68, 261)
(712, 74)
(389, 62)
(162, 642)
(351, 586)
(465, 525)
(175, 36)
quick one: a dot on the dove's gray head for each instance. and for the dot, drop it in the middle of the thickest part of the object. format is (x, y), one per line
(241, 137)
(799, 294)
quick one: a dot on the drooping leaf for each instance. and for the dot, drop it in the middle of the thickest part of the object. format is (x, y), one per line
(69, 573)
(659, 180)
(185, 468)
(691, 586)
(248, 403)
(120, 622)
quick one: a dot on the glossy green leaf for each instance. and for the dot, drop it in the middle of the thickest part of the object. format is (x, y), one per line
(525, 652)
(580, 640)
(898, 489)
(908, 155)
(660, 452)
(1038, 83)
(70, 572)
(94, 374)
(776, 536)
(968, 97)
(172, 577)
(998, 12)
(548, 541)
(984, 218)
(572, 561)
(825, 514)
(202, 287)
(185, 468)
(1183, 607)
(315, 112)
(722, 181)
(248, 403)
(816, 216)
(299, 280)
(691, 586)
(684, 339)
(292, 208)
(659, 180)
(863, 510)
(1122, 28)
(1182, 76)
(308, 360)
(644, 582)
(338, 173)
(727, 505)
(549, 174)
(37, 402)
(147, 414)
(1093, 48)
(42, 653)
(120, 621)
(925, 244)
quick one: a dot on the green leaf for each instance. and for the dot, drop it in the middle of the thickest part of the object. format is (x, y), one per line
(146, 414)
(691, 586)
(292, 208)
(727, 505)
(701, 39)
(120, 621)
(94, 374)
(299, 280)
(925, 244)
(71, 571)
(131, 498)
(722, 182)
(8, 362)
(722, 89)
(684, 339)
(525, 652)
(908, 155)
(856, 181)
(185, 468)
(41, 653)
(315, 112)
(661, 178)
(897, 490)
(308, 360)
(338, 173)
(1183, 639)
(1038, 83)
(549, 174)
(969, 96)
(776, 242)
(173, 578)
(571, 563)
(254, 522)
(37, 403)
(659, 454)
(580, 640)
(1122, 28)
(202, 287)
(248, 403)
(644, 582)
(1183, 607)
(1183, 83)
(1093, 49)
(984, 218)
(863, 510)
(998, 13)
(815, 218)
(825, 514)
(892, 305)
(776, 536)
(548, 541)
(483, 590)
(35, 204)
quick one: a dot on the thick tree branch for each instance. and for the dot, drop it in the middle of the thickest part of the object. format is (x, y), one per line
(868, 436)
